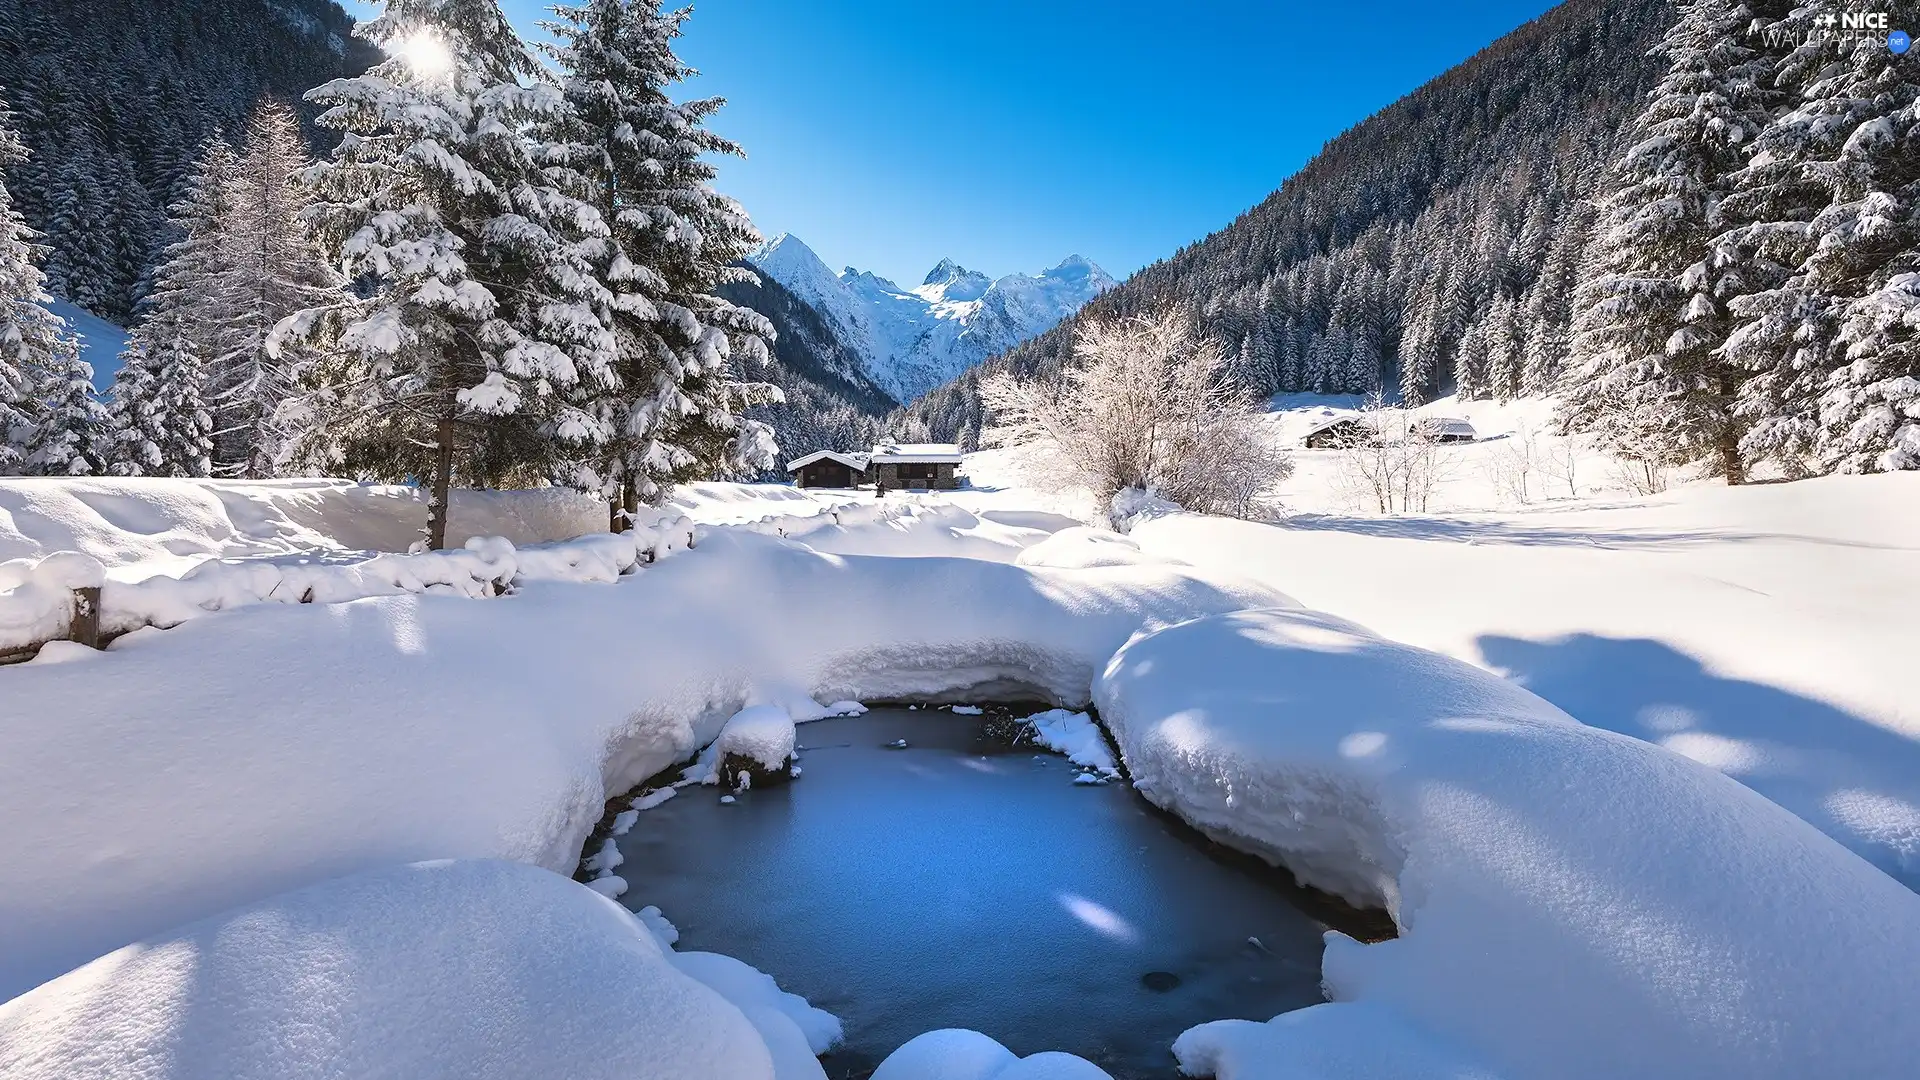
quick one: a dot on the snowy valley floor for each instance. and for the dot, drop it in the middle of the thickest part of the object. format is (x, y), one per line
(1581, 889)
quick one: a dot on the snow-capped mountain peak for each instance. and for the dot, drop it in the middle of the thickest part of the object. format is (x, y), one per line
(914, 340)
(951, 282)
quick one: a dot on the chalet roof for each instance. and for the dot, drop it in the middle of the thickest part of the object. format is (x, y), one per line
(856, 462)
(1445, 425)
(916, 454)
(1336, 421)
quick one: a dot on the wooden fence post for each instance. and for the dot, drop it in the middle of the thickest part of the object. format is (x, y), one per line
(86, 617)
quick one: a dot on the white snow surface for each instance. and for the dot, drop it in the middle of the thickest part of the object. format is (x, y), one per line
(1765, 631)
(101, 342)
(1076, 735)
(461, 970)
(959, 1054)
(913, 340)
(1085, 546)
(275, 745)
(759, 733)
(1573, 902)
(151, 525)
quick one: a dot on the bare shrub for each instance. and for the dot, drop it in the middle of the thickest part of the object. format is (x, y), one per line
(1641, 475)
(1562, 461)
(1147, 404)
(1513, 463)
(1396, 471)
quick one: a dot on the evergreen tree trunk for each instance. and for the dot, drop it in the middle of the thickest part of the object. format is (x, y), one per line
(631, 501)
(1727, 437)
(438, 501)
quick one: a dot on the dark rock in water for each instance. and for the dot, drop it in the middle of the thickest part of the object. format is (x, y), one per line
(1160, 981)
(758, 775)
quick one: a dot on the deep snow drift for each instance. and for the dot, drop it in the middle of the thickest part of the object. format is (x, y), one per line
(187, 770)
(475, 969)
(165, 526)
(1573, 903)
(1764, 631)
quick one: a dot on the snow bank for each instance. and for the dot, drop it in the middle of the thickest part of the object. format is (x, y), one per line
(234, 757)
(167, 525)
(1344, 1041)
(959, 1054)
(40, 604)
(1085, 547)
(1573, 903)
(461, 970)
(762, 734)
(904, 528)
(1764, 631)
(37, 596)
(1075, 735)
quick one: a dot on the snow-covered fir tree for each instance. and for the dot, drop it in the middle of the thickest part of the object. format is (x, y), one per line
(28, 331)
(1648, 376)
(159, 422)
(37, 355)
(1782, 335)
(486, 310)
(163, 435)
(70, 433)
(677, 408)
(1866, 267)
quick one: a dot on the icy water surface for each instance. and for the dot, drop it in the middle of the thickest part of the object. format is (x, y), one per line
(959, 883)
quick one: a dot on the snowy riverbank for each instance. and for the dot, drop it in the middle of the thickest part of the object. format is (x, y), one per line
(1556, 884)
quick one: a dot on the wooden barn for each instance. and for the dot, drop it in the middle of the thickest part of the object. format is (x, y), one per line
(1338, 434)
(829, 469)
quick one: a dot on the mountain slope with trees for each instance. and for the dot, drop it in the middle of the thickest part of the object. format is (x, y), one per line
(1431, 248)
(115, 101)
(830, 403)
(1696, 223)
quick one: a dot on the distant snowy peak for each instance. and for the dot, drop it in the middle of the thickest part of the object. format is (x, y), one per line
(913, 340)
(950, 282)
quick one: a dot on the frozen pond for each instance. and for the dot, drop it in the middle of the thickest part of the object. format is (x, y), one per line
(960, 883)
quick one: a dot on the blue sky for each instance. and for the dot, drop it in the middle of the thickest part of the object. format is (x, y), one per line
(1008, 134)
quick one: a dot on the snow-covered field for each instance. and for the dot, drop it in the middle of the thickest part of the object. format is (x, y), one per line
(1514, 726)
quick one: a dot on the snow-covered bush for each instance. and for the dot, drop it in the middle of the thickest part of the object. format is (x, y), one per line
(1147, 404)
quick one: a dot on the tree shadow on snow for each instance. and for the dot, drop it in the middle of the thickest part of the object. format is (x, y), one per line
(1466, 531)
(1852, 779)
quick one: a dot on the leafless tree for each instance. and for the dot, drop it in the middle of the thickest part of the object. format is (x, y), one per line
(1147, 404)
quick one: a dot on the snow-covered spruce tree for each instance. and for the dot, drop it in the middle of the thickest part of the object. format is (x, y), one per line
(1148, 405)
(1866, 264)
(164, 434)
(269, 268)
(676, 410)
(159, 423)
(70, 432)
(1646, 374)
(1782, 335)
(33, 342)
(486, 308)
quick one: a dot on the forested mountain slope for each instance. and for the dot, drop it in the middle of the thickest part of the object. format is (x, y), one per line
(831, 403)
(115, 99)
(1434, 244)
